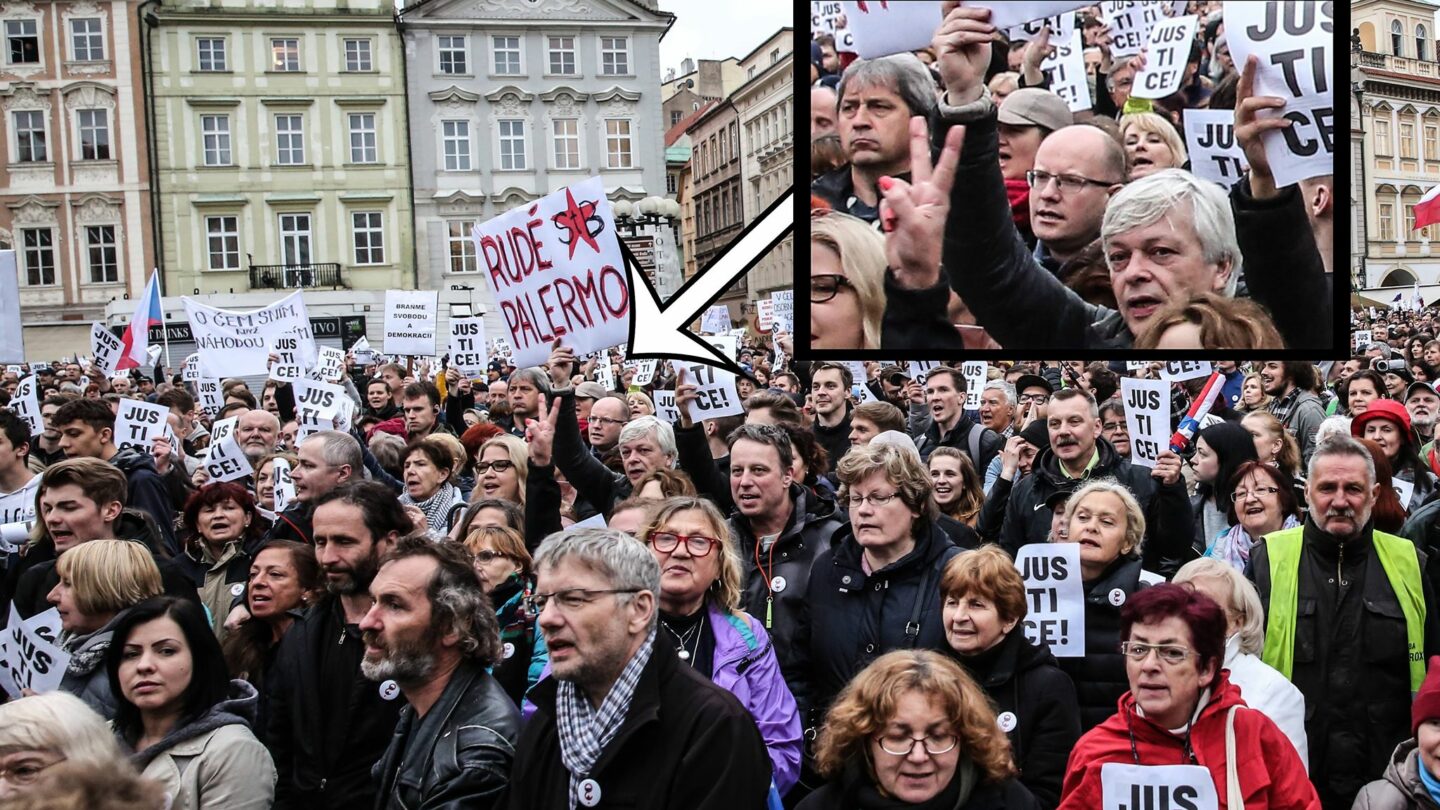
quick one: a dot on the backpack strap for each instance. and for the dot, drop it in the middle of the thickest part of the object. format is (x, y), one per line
(977, 432)
(912, 627)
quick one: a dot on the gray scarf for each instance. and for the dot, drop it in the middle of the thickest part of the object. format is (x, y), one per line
(436, 509)
(584, 733)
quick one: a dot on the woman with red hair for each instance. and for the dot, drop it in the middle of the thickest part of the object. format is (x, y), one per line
(1182, 710)
(222, 530)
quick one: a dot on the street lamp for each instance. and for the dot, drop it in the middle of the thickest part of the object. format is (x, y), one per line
(1357, 86)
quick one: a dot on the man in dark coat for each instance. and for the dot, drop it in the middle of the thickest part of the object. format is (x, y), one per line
(455, 740)
(949, 426)
(621, 721)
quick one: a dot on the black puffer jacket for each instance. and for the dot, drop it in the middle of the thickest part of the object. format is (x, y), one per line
(850, 618)
(813, 524)
(146, 490)
(1168, 520)
(1036, 705)
(461, 752)
(1100, 677)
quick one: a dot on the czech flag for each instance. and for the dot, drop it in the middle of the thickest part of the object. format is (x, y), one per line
(135, 342)
(1427, 211)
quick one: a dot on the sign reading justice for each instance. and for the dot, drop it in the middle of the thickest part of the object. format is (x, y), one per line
(556, 270)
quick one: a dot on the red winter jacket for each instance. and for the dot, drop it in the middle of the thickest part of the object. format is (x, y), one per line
(1271, 774)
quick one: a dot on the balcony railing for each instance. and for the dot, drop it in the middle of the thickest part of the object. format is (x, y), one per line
(291, 276)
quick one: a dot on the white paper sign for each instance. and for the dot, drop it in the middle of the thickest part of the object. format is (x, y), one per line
(224, 460)
(19, 506)
(1130, 22)
(190, 371)
(728, 345)
(783, 310)
(12, 341)
(316, 405)
(284, 484)
(106, 348)
(765, 314)
(605, 375)
(716, 394)
(1182, 370)
(665, 406)
(1403, 491)
(138, 424)
(30, 660)
(556, 270)
(1215, 155)
(1066, 71)
(26, 405)
(329, 364)
(974, 373)
(1016, 13)
(1165, 61)
(238, 344)
(1294, 43)
(467, 346)
(1153, 787)
(716, 320)
(364, 355)
(919, 370)
(883, 27)
(644, 371)
(211, 399)
(1147, 417)
(1361, 338)
(411, 317)
(1054, 596)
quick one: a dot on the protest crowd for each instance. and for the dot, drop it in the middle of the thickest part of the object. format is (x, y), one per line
(1113, 175)
(603, 582)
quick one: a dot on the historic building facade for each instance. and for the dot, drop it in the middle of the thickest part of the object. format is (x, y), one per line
(74, 199)
(767, 136)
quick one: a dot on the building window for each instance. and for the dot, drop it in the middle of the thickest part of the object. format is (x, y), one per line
(461, 248)
(453, 60)
(210, 52)
(215, 132)
(617, 143)
(22, 40)
(507, 55)
(735, 141)
(362, 138)
(1382, 137)
(614, 56)
(670, 183)
(37, 246)
(1420, 43)
(94, 134)
(295, 239)
(1431, 152)
(456, 138)
(750, 74)
(567, 143)
(30, 137)
(357, 56)
(562, 56)
(1387, 227)
(289, 140)
(1397, 37)
(1409, 220)
(104, 263)
(1407, 140)
(222, 238)
(285, 55)
(87, 39)
(369, 237)
(675, 117)
(775, 56)
(512, 144)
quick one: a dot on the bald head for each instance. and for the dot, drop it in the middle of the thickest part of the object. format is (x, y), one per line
(1065, 220)
(822, 111)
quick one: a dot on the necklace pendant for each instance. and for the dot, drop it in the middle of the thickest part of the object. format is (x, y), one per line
(683, 653)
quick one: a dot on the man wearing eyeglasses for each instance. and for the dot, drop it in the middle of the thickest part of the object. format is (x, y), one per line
(621, 721)
(607, 416)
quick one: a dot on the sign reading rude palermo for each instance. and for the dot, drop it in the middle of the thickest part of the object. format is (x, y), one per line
(556, 271)
(1293, 42)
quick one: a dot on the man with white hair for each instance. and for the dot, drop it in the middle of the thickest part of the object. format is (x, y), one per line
(997, 407)
(645, 444)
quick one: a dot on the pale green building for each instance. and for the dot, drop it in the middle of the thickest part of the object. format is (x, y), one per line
(280, 145)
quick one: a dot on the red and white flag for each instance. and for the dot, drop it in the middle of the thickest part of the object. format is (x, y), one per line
(136, 339)
(1427, 211)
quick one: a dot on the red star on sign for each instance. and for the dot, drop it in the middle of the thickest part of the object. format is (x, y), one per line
(885, 4)
(573, 219)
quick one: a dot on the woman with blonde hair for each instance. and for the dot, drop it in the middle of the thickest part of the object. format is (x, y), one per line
(1253, 398)
(99, 582)
(1211, 321)
(1151, 144)
(640, 404)
(502, 469)
(913, 730)
(847, 282)
(700, 582)
(958, 490)
(41, 731)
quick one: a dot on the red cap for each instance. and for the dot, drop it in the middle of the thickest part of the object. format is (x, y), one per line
(1381, 409)
(1427, 700)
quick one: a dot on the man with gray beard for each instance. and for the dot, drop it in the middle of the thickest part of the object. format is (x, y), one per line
(328, 725)
(432, 631)
(1423, 403)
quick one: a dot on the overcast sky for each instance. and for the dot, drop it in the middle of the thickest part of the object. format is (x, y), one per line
(715, 29)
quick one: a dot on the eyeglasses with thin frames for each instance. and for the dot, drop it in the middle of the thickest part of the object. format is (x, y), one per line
(1172, 654)
(875, 500)
(606, 422)
(1069, 183)
(570, 599)
(900, 745)
(1241, 495)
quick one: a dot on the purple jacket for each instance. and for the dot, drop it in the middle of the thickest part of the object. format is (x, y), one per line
(746, 667)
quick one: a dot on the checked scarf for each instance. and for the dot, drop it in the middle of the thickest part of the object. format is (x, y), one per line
(585, 733)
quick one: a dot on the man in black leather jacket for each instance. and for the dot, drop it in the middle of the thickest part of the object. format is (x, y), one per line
(433, 635)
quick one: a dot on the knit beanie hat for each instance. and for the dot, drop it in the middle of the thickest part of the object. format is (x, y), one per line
(1038, 434)
(1427, 700)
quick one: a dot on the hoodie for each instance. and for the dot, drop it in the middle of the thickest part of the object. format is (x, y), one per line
(214, 760)
(146, 491)
(1400, 787)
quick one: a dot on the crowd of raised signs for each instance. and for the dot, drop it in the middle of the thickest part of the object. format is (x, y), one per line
(860, 584)
(1040, 174)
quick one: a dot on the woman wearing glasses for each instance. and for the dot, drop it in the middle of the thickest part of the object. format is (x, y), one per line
(913, 730)
(877, 587)
(1219, 451)
(504, 566)
(701, 618)
(1262, 500)
(1183, 710)
(40, 732)
(847, 283)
